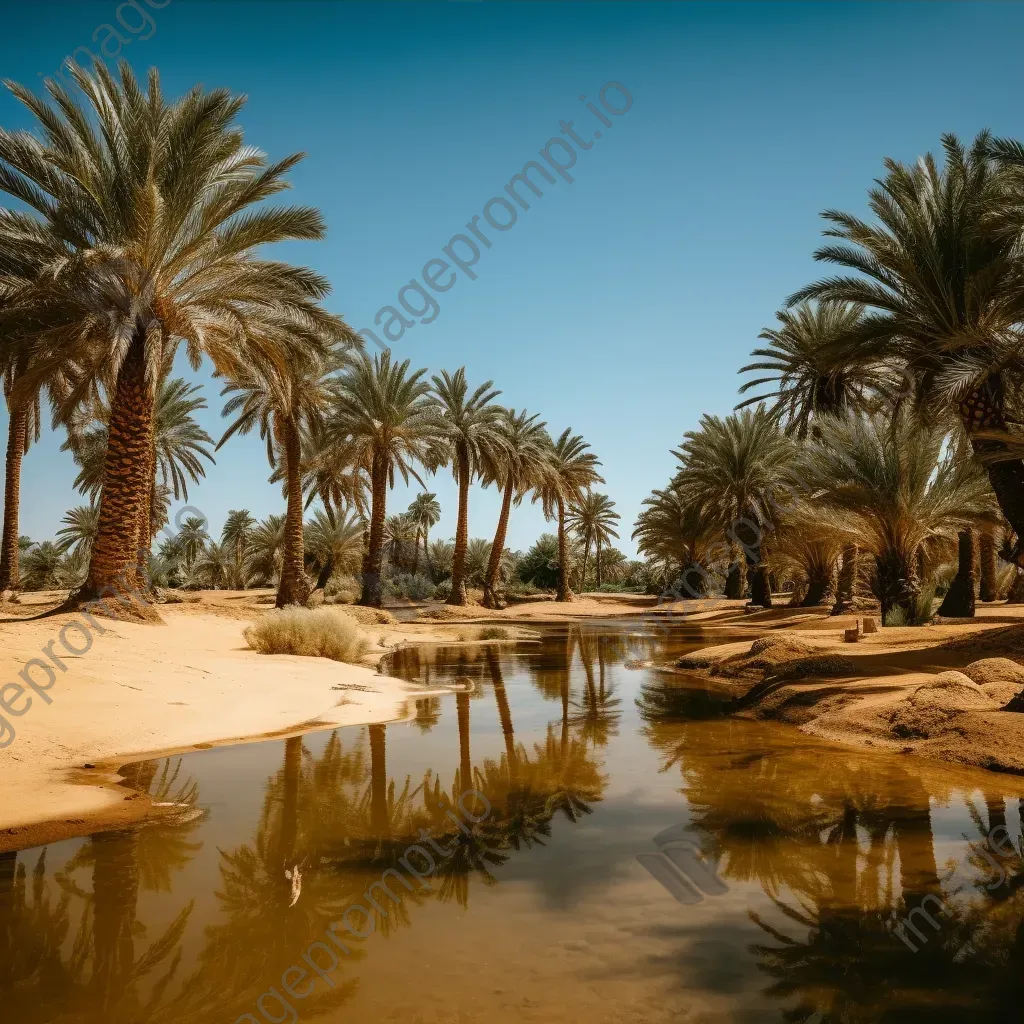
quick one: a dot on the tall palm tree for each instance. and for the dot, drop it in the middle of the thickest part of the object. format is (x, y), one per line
(237, 532)
(522, 463)
(387, 419)
(573, 470)
(733, 469)
(163, 249)
(940, 274)
(425, 512)
(890, 484)
(280, 403)
(474, 441)
(592, 519)
(811, 378)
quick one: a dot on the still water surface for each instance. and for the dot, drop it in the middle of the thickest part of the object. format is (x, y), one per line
(540, 911)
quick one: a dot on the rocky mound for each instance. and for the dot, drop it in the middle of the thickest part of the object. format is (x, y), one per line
(931, 709)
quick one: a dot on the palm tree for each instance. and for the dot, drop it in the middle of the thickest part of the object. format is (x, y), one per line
(673, 531)
(400, 534)
(281, 403)
(162, 250)
(889, 484)
(941, 277)
(573, 470)
(471, 425)
(386, 419)
(333, 546)
(592, 519)
(265, 546)
(732, 468)
(237, 532)
(425, 512)
(812, 380)
(80, 530)
(522, 464)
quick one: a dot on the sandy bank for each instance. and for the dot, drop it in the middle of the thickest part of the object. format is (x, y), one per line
(142, 690)
(938, 691)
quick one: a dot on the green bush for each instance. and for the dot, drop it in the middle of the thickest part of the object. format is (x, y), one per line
(443, 590)
(412, 587)
(321, 633)
(895, 616)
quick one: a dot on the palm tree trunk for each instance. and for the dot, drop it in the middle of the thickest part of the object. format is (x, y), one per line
(988, 590)
(146, 518)
(378, 781)
(983, 409)
(294, 587)
(758, 576)
(465, 765)
(847, 581)
(1015, 595)
(17, 441)
(897, 584)
(458, 591)
(818, 585)
(959, 600)
(372, 583)
(586, 558)
(416, 554)
(492, 598)
(564, 592)
(597, 543)
(736, 578)
(115, 551)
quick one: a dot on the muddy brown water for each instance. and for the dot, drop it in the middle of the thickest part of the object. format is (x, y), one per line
(572, 836)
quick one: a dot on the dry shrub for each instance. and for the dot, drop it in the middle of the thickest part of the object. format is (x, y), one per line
(495, 633)
(321, 633)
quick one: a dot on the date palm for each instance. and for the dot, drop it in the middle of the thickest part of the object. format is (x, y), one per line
(891, 485)
(237, 532)
(280, 403)
(473, 439)
(263, 551)
(521, 465)
(593, 519)
(940, 274)
(79, 530)
(573, 471)
(732, 469)
(163, 249)
(425, 512)
(334, 545)
(811, 380)
(673, 531)
(386, 419)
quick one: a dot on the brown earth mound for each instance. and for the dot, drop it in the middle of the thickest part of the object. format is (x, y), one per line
(931, 709)
(1000, 678)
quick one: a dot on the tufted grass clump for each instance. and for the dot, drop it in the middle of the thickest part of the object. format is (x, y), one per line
(320, 633)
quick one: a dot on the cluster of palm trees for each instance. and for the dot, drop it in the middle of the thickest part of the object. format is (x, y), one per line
(892, 426)
(140, 230)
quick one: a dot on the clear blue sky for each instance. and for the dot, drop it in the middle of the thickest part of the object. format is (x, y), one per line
(621, 305)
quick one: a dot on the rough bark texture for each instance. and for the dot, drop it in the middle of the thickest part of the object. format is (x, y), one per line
(984, 409)
(897, 584)
(959, 599)
(819, 589)
(492, 596)
(458, 594)
(1015, 595)
(294, 587)
(113, 567)
(847, 581)
(988, 588)
(372, 584)
(17, 441)
(597, 559)
(564, 592)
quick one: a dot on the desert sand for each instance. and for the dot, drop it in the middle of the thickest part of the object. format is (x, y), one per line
(142, 690)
